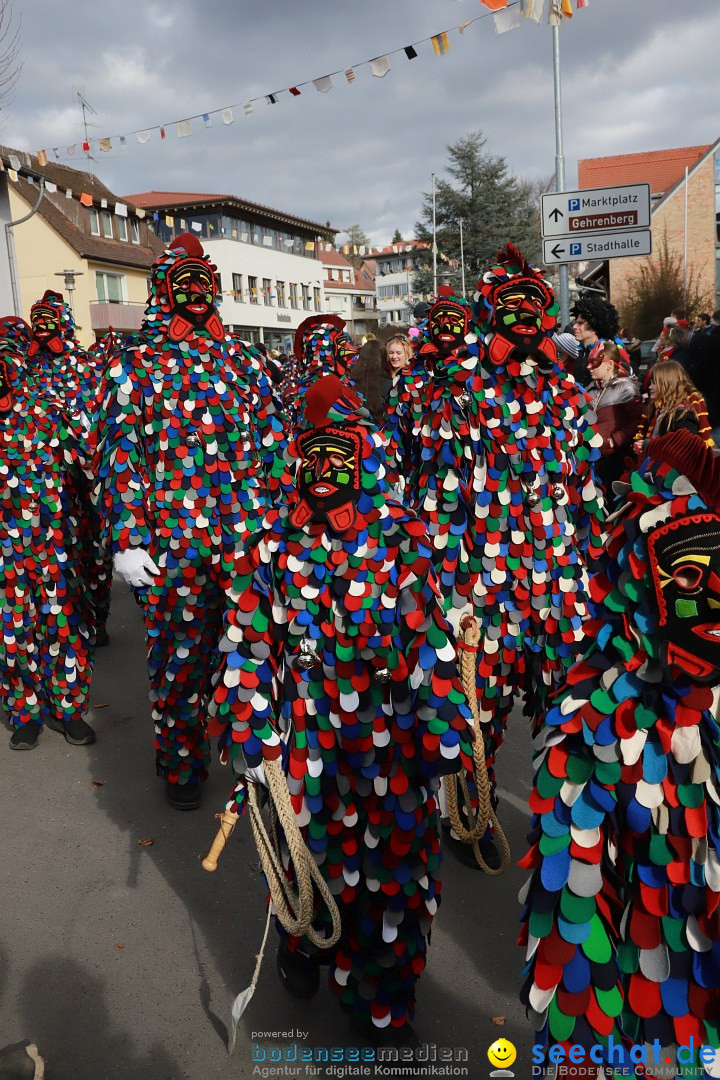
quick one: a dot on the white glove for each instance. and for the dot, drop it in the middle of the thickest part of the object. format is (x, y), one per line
(135, 567)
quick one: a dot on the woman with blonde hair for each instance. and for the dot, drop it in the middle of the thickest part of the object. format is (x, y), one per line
(398, 351)
(675, 402)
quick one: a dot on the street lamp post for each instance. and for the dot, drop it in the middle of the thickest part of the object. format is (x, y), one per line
(70, 276)
(462, 254)
(434, 239)
(560, 168)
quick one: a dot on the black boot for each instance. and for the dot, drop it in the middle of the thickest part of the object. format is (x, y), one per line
(464, 852)
(299, 973)
(183, 796)
(77, 732)
(101, 636)
(21, 1061)
(25, 736)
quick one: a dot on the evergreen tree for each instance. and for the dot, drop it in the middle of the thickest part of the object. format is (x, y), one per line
(495, 207)
(356, 237)
(397, 237)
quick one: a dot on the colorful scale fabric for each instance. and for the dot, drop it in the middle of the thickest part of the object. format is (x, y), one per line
(46, 654)
(621, 912)
(325, 349)
(190, 457)
(363, 756)
(489, 437)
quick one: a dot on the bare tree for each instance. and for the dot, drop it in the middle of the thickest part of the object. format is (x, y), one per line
(11, 60)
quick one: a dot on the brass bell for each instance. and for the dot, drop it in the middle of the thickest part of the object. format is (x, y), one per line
(532, 497)
(382, 675)
(464, 399)
(193, 439)
(33, 507)
(557, 492)
(308, 658)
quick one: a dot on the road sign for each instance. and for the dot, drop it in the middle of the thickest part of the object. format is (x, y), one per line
(616, 245)
(596, 210)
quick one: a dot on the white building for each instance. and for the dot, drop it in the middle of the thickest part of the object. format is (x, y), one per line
(350, 292)
(266, 259)
(395, 269)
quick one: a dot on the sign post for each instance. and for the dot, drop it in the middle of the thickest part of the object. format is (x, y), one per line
(596, 223)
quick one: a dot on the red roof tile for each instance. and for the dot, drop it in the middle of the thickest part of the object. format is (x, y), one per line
(662, 169)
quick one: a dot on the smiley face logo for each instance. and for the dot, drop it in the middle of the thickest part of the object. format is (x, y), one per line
(502, 1054)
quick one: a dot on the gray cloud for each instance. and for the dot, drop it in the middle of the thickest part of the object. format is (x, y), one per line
(636, 76)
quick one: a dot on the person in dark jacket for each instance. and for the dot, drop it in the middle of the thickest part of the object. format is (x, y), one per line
(616, 401)
(595, 320)
(704, 367)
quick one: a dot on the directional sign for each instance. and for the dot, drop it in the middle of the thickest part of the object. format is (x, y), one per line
(601, 246)
(596, 210)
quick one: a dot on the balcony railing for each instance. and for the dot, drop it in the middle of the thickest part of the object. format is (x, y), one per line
(120, 316)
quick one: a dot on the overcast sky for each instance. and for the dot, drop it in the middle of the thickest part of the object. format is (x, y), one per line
(637, 75)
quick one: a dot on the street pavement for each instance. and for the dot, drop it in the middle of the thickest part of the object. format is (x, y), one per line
(121, 958)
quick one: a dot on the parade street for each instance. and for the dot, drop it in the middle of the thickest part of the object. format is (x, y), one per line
(120, 956)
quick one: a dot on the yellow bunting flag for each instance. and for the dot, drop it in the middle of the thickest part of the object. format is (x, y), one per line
(440, 43)
(169, 220)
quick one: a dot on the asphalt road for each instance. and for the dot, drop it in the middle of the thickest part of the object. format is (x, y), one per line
(121, 959)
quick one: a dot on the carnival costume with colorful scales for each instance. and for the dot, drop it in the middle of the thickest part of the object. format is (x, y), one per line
(46, 651)
(622, 910)
(337, 662)
(187, 465)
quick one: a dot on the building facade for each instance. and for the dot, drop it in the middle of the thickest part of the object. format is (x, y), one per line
(395, 267)
(349, 291)
(271, 277)
(79, 239)
(685, 212)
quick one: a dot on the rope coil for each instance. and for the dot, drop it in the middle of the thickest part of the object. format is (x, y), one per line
(486, 815)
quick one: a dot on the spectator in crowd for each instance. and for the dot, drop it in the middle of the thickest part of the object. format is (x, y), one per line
(616, 401)
(596, 320)
(370, 375)
(702, 325)
(567, 348)
(704, 369)
(675, 403)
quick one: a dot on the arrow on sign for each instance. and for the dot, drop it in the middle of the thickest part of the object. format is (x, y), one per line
(556, 214)
(557, 251)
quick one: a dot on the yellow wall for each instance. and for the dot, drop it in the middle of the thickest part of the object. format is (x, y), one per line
(40, 252)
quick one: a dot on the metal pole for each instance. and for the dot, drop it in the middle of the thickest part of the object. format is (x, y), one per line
(685, 238)
(462, 255)
(434, 240)
(560, 168)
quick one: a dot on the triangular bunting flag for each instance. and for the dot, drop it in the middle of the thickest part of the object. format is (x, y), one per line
(323, 85)
(380, 66)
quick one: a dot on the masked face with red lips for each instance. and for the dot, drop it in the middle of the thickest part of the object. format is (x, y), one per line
(192, 291)
(685, 560)
(5, 386)
(45, 325)
(518, 315)
(329, 474)
(447, 326)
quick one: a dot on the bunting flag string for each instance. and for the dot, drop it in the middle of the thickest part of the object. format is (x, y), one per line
(504, 17)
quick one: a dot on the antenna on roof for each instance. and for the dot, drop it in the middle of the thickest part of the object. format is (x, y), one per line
(79, 92)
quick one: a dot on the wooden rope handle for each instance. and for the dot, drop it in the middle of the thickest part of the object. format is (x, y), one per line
(228, 820)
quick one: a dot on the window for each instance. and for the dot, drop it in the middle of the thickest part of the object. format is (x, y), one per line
(252, 287)
(237, 286)
(94, 222)
(318, 301)
(280, 290)
(306, 297)
(107, 224)
(110, 287)
(267, 291)
(293, 295)
(135, 230)
(122, 228)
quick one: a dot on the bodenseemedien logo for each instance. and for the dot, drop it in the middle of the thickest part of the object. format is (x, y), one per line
(501, 1054)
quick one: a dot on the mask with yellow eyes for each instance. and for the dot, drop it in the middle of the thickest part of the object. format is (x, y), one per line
(329, 476)
(447, 326)
(192, 290)
(685, 562)
(519, 312)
